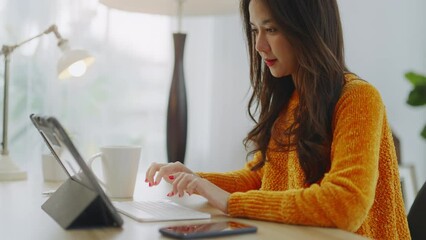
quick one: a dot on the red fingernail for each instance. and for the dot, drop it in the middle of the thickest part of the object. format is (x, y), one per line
(150, 184)
(146, 179)
(171, 177)
(169, 194)
(155, 183)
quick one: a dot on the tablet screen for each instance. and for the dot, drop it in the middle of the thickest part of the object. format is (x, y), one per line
(63, 149)
(62, 153)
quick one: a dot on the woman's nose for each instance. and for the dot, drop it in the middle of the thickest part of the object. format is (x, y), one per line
(262, 44)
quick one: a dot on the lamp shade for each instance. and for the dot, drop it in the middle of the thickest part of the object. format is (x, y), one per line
(74, 63)
(168, 7)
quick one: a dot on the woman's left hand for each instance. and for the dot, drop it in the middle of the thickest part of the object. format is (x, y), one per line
(191, 183)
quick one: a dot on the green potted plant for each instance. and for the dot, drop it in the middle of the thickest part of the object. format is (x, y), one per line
(417, 96)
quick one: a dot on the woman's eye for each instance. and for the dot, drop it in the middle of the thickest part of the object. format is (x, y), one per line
(271, 30)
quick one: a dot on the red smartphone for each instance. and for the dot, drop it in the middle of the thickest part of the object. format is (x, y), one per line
(204, 230)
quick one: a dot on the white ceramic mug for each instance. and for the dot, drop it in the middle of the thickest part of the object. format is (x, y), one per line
(52, 169)
(119, 167)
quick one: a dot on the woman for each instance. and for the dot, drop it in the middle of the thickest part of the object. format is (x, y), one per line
(324, 154)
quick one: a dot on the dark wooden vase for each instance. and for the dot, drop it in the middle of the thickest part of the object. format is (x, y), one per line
(177, 108)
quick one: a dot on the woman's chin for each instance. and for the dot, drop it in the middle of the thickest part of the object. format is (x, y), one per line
(278, 74)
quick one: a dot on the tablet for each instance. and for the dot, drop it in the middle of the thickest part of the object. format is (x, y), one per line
(205, 230)
(80, 201)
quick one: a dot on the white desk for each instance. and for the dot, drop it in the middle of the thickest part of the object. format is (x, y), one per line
(21, 217)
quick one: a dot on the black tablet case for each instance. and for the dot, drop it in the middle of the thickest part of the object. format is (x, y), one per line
(76, 203)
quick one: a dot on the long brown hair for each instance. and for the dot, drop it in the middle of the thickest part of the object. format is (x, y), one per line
(314, 30)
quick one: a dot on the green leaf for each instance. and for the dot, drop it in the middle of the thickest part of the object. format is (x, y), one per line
(416, 79)
(424, 132)
(417, 96)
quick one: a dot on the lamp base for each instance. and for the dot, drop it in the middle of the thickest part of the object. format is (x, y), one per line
(9, 171)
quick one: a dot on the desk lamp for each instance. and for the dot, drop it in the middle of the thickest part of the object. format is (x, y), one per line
(73, 63)
(177, 106)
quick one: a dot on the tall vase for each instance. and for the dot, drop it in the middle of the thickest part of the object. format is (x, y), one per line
(177, 108)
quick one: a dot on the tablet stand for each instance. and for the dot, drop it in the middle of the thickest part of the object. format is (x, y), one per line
(74, 205)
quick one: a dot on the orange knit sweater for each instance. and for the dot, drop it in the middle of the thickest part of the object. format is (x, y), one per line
(360, 193)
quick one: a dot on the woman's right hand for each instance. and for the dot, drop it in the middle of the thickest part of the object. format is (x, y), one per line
(158, 171)
(185, 181)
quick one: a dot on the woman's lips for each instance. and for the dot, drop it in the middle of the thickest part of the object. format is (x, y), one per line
(270, 62)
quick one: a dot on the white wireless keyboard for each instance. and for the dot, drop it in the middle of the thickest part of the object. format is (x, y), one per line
(163, 210)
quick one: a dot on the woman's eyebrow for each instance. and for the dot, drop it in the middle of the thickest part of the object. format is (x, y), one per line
(264, 22)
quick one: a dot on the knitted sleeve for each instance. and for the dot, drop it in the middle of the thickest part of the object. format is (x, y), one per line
(237, 181)
(345, 195)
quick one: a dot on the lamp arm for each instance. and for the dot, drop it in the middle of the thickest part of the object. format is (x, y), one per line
(7, 50)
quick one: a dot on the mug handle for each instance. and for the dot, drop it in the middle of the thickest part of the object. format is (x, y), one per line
(90, 162)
